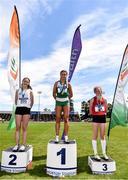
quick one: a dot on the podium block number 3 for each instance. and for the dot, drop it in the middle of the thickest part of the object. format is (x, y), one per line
(105, 168)
(13, 158)
(62, 153)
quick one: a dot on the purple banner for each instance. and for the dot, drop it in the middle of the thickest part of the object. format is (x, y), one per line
(75, 52)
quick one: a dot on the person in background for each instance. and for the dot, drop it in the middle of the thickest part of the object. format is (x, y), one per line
(62, 93)
(98, 110)
(24, 100)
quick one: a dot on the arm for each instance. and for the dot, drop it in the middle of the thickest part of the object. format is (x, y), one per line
(16, 97)
(70, 91)
(32, 99)
(55, 90)
(90, 106)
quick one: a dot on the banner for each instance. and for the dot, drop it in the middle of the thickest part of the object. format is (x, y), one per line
(13, 60)
(75, 52)
(119, 115)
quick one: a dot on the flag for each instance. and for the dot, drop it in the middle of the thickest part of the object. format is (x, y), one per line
(75, 51)
(13, 61)
(119, 115)
(12, 120)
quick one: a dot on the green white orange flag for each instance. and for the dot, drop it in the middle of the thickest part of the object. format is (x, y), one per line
(13, 61)
(119, 115)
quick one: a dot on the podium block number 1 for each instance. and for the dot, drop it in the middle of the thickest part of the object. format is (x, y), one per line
(13, 158)
(61, 158)
(62, 152)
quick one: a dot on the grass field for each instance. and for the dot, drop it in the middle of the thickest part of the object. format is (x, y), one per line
(40, 133)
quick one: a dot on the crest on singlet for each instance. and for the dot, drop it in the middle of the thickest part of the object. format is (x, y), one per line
(99, 108)
(24, 98)
(62, 88)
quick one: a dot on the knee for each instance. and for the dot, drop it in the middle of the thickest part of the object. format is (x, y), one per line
(24, 129)
(102, 137)
(94, 136)
(66, 119)
(18, 128)
(58, 119)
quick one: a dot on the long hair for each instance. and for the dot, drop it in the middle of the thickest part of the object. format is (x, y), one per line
(29, 86)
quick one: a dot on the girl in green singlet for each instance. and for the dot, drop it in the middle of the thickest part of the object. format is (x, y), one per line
(62, 92)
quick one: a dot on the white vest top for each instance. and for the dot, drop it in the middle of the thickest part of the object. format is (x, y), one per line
(24, 98)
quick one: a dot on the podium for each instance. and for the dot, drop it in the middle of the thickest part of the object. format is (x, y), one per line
(101, 167)
(16, 162)
(61, 158)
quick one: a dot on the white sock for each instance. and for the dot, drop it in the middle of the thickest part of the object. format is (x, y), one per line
(57, 138)
(66, 138)
(103, 145)
(94, 146)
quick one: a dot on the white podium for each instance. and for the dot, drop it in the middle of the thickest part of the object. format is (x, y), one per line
(102, 166)
(16, 162)
(61, 158)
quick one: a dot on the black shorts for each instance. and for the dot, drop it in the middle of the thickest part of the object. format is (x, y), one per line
(99, 118)
(22, 110)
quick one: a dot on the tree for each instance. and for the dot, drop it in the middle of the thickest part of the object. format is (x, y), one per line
(84, 109)
(109, 110)
(71, 105)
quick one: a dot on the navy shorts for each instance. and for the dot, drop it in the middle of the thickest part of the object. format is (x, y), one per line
(99, 118)
(22, 110)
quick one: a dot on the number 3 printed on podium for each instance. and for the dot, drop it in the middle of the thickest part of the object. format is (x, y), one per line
(105, 168)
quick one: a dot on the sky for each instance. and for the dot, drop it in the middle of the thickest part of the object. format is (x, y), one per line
(47, 28)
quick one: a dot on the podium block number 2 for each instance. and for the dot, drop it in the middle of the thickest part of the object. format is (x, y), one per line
(62, 153)
(13, 158)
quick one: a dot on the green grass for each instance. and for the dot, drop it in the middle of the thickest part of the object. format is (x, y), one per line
(40, 133)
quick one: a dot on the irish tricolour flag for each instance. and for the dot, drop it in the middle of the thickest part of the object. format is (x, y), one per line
(119, 115)
(13, 61)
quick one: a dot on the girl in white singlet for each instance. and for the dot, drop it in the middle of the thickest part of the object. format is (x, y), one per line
(24, 101)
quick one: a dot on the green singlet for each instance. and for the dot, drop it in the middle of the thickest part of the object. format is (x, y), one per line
(62, 98)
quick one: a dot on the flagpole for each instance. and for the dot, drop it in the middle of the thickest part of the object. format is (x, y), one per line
(115, 91)
(19, 47)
